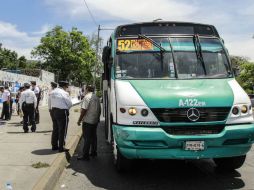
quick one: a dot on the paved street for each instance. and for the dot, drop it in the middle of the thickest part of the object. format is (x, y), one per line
(18, 151)
(99, 173)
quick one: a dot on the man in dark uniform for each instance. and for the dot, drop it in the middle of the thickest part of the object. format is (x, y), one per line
(60, 103)
(28, 103)
(37, 92)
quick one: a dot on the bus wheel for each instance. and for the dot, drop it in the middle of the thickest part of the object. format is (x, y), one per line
(122, 164)
(230, 163)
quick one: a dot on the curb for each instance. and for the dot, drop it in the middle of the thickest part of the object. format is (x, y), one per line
(51, 176)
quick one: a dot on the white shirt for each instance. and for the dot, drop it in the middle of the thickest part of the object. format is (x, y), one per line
(6, 95)
(36, 90)
(91, 103)
(29, 97)
(59, 98)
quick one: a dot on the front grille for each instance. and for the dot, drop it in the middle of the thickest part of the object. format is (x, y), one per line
(180, 114)
(194, 130)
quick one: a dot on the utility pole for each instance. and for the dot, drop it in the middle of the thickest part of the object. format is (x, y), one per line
(96, 65)
(97, 56)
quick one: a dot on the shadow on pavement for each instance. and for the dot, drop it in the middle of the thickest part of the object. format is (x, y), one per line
(152, 174)
(49, 131)
(21, 132)
(44, 152)
(2, 122)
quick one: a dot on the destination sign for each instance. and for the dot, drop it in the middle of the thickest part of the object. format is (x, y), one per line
(134, 45)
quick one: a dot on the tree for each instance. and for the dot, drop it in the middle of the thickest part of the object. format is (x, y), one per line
(68, 54)
(22, 62)
(246, 76)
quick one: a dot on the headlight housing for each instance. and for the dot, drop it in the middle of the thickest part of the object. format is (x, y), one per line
(240, 113)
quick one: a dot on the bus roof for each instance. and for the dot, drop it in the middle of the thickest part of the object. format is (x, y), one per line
(166, 28)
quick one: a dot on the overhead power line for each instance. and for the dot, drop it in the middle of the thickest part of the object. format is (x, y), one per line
(90, 13)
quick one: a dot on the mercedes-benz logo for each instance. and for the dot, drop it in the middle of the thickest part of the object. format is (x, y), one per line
(193, 114)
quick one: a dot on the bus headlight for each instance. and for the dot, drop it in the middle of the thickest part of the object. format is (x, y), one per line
(144, 112)
(235, 110)
(132, 111)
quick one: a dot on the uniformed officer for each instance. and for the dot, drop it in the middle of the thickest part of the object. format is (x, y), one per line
(28, 103)
(37, 92)
(53, 86)
(6, 103)
(90, 115)
(60, 103)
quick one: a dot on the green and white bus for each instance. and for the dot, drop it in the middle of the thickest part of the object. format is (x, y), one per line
(169, 92)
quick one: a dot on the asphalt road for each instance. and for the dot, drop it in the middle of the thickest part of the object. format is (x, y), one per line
(99, 173)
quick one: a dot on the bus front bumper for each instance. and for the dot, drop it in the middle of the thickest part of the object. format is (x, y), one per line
(155, 143)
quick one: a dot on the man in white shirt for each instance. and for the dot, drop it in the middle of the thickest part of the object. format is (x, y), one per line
(90, 115)
(6, 103)
(37, 92)
(28, 103)
(59, 103)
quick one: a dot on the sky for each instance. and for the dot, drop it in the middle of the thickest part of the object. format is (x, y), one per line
(24, 22)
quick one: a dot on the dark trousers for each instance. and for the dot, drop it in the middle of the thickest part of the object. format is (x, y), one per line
(60, 118)
(90, 138)
(11, 103)
(37, 116)
(29, 111)
(6, 111)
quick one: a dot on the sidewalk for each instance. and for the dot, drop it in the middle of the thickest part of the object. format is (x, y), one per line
(18, 150)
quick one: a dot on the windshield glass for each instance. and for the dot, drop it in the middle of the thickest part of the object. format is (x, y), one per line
(182, 63)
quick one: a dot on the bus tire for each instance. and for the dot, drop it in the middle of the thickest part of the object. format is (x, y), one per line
(122, 164)
(230, 163)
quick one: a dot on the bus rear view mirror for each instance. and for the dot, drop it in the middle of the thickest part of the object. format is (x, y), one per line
(106, 55)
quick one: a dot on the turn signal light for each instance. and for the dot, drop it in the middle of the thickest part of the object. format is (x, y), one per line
(244, 109)
(132, 111)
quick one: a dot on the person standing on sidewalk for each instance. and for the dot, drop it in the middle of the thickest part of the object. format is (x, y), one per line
(60, 103)
(28, 102)
(37, 92)
(90, 115)
(6, 96)
(53, 87)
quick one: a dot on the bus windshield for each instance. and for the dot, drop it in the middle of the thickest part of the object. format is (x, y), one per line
(181, 59)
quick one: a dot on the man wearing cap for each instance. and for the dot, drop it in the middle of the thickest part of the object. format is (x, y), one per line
(37, 92)
(59, 104)
(28, 103)
(90, 115)
(6, 103)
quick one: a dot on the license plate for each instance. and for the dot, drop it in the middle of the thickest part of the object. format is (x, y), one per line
(194, 145)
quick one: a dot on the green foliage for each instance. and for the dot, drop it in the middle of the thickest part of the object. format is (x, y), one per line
(67, 54)
(8, 58)
(246, 77)
(40, 165)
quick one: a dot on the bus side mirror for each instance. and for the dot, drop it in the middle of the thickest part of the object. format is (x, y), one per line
(106, 55)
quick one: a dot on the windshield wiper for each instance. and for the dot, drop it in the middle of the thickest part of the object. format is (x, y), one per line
(199, 51)
(152, 41)
(162, 50)
(173, 57)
